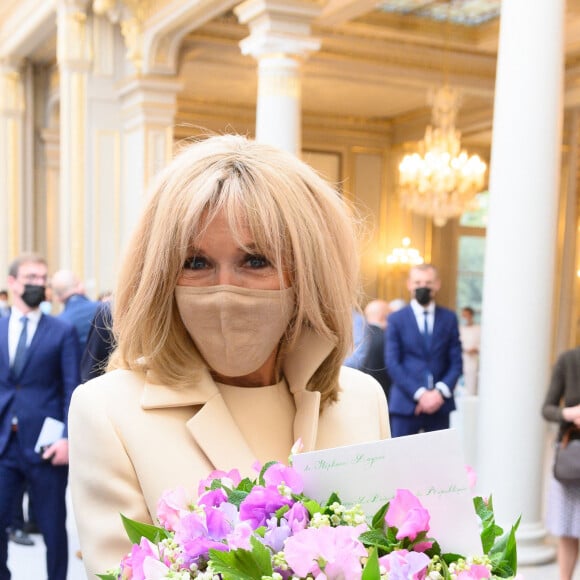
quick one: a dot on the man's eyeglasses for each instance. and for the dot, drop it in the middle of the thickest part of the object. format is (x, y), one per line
(33, 278)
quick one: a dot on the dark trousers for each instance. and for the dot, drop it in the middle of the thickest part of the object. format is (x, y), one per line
(47, 490)
(402, 425)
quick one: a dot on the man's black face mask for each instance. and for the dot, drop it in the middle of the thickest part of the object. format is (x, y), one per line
(423, 295)
(33, 295)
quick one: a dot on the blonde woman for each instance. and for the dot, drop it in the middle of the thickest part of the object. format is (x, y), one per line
(232, 316)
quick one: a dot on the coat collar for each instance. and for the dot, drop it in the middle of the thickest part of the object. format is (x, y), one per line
(213, 423)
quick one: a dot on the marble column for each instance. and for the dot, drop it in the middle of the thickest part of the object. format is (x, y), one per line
(520, 258)
(279, 40)
(12, 110)
(74, 53)
(149, 105)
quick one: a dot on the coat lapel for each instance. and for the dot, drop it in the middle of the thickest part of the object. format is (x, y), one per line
(212, 424)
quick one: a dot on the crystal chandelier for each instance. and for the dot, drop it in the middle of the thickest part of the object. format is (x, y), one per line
(441, 180)
(404, 256)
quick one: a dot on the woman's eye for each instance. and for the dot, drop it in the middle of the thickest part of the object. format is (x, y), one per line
(257, 261)
(195, 263)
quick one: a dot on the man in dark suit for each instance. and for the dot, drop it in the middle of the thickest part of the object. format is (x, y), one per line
(100, 344)
(373, 363)
(39, 369)
(423, 356)
(79, 309)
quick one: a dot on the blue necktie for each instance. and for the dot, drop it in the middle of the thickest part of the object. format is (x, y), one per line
(426, 334)
(20, 355)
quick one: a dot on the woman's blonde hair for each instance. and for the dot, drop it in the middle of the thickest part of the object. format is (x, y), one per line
(298, 221)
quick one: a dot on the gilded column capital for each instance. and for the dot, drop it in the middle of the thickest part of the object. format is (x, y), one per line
(74, 48)
(11, 88)
(132, 16)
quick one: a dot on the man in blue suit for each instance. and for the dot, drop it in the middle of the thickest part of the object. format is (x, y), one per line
(39, 369)
(79, 310)
(423, 358)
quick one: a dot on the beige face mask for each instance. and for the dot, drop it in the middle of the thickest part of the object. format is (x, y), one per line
(235, 329)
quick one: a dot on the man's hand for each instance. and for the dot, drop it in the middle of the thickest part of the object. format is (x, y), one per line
(429, 402)
(57, 453)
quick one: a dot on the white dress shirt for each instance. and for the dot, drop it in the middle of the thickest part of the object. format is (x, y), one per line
(15, 328)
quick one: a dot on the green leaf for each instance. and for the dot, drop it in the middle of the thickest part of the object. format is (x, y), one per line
(379, 517)
(267, 465)
(245, 485)
(371, 570)
(332, 499)
(108, 576)
(137, 530)
(378, 539)
(312, 506)
(242, 564)
(503, 554)
(236, 497)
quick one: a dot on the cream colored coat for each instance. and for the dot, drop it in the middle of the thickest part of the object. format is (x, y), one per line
(130, 440)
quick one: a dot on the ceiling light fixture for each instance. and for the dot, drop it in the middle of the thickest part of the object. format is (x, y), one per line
(441, 180)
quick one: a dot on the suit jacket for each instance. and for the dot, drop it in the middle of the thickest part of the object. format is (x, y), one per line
(45, 385)
(100, 344)
(374, 360)
(80, 311)
(131, 439)
(409, 361)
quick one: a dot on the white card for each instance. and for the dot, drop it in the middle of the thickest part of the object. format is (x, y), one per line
(52, 430)
(430, 465)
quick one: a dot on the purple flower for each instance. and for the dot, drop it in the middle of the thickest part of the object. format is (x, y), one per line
(276, 533)
(260, 504)
(334, 552)
(197, 533)
(297, 517)
(407, 514)
(405, 565)
(213, 498)
(281, 474)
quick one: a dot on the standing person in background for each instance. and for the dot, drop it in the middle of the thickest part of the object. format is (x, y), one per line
(373, 363)
(355, 359)
(232, 315)
(470, 335)
(100, 343)
(39, 371)
(562, 406)
(423, 355)
(79, 310)
(4, 305)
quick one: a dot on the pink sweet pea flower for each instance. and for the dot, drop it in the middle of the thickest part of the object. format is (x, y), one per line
(171, 507)
(471, 477)
(132, 564)
(326, 552)
(475, 572)
(281, 474)
(229, 479)
(405, 565)
(407, 514)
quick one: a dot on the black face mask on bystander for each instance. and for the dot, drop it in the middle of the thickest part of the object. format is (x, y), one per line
(423, 295)
(33, 295)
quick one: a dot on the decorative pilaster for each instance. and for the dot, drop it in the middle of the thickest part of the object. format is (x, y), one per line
(74, 60)
(148, 107)
(519, 262)
(12, 109)
(279, 40)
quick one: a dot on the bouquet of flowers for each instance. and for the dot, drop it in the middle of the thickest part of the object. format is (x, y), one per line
(267, 529)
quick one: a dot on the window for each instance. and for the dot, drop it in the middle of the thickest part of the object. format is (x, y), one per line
(472, 256)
